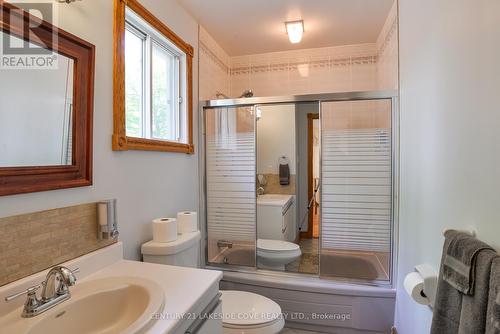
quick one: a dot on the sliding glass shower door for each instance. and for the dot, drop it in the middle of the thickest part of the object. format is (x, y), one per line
(356, 183)
(230, 185)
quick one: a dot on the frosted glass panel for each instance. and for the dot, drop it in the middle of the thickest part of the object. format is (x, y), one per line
(231, 179)
(356, 171)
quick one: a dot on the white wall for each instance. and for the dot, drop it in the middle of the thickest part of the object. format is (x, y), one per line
(450, 138)
(146, 184)
(275, 138)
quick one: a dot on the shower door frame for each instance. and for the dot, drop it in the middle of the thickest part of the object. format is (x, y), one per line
(319, 98)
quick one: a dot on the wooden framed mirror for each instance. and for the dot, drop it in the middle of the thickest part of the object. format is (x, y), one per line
(46, 110)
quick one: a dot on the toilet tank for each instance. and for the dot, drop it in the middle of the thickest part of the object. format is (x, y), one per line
(184, 252)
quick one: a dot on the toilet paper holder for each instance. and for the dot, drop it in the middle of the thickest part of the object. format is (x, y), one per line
(430, 278)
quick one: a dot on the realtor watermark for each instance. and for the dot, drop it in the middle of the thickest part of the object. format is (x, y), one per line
(34, 47)
(263, 317)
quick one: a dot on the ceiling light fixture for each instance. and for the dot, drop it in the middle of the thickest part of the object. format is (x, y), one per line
(295, 30)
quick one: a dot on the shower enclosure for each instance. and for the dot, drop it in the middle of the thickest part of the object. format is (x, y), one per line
(358, 182)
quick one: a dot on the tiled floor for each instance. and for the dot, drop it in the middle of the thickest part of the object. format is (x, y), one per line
(296, 331)
(309, 261)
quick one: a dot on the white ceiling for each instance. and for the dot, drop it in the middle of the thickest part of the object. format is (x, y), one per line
(257, 26)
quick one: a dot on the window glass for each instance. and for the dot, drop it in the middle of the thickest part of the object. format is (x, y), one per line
(152, 83)
(134, 83)
(165, 99)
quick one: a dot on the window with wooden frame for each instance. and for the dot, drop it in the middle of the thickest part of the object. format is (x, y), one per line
(153, 94)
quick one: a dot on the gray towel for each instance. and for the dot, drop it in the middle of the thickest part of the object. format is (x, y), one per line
(459, 261)
(473, 317)
(284, 174)
(493, 318)
(454, 311)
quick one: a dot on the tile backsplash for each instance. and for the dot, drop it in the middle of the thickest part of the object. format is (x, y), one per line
(33, 242)
(358, 67)
(273, 185)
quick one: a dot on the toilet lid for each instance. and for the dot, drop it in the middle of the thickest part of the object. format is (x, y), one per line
(276, 245)
(248, 309)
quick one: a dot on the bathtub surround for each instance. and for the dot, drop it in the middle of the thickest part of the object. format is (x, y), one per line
(387, 52)
(450, 141)
(146, 184)
(359, 67)
(33, 242)
(215, 67)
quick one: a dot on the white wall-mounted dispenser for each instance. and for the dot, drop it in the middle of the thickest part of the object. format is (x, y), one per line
(107, 224)
(421, 285)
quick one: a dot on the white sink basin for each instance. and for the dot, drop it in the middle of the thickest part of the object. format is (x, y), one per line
(105, 306)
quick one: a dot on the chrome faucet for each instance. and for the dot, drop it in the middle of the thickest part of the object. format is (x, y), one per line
(54, 291)
(260, 191)
(57, 282)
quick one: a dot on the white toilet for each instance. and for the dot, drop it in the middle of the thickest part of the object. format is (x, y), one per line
(250, 313)
(243, 312)
(182, 252)
(275, 254)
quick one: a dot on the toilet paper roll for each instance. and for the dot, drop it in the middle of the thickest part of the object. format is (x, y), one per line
(164, 229)
(414, 286)
(188, 221)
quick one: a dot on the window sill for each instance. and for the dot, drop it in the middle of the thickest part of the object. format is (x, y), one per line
(121, 143)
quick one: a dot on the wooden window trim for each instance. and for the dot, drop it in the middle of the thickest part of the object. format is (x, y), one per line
(120, 141)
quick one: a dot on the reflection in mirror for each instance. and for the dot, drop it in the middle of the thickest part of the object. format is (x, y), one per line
(283, 241)
(36, 115)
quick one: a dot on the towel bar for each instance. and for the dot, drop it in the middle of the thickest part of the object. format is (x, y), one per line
(472, 232)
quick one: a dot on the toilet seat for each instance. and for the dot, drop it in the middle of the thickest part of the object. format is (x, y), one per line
(275, 254)
(276, 246)
(250, 313)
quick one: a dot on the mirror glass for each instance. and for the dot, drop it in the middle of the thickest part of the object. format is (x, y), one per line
(35, 109)
(287, 207)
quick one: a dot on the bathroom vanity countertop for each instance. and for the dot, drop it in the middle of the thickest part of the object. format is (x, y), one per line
(186, 290)
(274, 199)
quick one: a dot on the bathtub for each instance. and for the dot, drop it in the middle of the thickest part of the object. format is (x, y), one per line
(313, 303)
(368, 266)
(240, 255)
